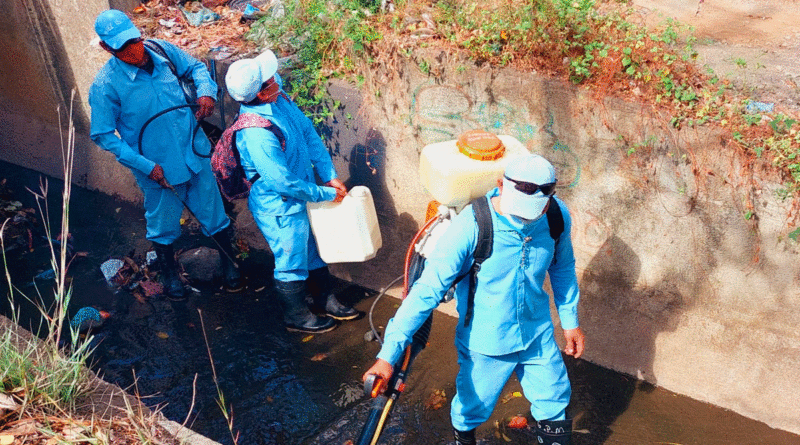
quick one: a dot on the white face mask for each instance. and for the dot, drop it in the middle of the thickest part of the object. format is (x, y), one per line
(524, 221)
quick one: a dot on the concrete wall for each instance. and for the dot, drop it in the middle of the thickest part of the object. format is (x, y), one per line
(679, 287)
(49, 55)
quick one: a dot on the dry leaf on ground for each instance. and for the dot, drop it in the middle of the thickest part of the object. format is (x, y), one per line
(436, 400)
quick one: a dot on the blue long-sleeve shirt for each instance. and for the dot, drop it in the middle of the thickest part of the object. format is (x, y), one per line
(123, 97)
(511, 309)
(287, 177)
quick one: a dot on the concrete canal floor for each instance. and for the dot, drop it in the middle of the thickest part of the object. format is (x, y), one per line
(283, 388)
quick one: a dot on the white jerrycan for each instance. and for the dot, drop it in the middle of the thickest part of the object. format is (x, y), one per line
(347, 231)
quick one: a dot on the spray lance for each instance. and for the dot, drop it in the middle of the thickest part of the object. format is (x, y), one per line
(386, 393)
(197, 127)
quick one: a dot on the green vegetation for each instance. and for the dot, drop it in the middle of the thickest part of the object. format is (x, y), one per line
(41, 374)
(329, 39)
(594, 43)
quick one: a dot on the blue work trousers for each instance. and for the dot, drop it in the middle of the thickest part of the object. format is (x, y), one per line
(540, 370)
(163, 207)
(292, 244)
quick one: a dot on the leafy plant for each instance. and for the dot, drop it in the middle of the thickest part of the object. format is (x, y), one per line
(329, 39)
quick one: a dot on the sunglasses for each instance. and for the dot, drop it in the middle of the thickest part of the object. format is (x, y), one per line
(530, 188)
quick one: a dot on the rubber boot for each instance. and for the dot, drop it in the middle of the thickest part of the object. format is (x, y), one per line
(326, 298)
(230, 270)
(464, 437)
(296, 316)
(554, 432)
(173, 287)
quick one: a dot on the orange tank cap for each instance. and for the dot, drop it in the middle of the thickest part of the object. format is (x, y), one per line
(481, 145)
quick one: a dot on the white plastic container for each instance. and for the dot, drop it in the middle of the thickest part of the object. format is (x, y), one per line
(456, 172)
(348, 231)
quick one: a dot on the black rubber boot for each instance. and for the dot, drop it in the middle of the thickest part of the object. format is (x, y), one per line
(326, 300)
(173, 287)
(464, 437)
(227, 257)
(296, 316)
(554, 432)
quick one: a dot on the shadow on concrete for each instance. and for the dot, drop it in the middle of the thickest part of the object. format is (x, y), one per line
(356, 145)
(613, 303)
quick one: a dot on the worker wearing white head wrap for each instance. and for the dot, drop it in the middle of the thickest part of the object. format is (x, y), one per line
(510, 330)
(286, 183)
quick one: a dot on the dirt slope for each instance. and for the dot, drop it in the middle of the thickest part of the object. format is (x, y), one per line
(755, 43)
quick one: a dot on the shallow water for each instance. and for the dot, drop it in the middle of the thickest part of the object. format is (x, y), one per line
(284, 388)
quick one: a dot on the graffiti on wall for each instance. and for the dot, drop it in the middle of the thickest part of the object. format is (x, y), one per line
(441, 112)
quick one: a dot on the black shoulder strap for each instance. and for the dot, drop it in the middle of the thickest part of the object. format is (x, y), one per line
(153, 45)
(483, 249)
(483, 215)
(555, 219)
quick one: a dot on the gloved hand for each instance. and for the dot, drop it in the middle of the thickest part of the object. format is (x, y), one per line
(206, 107)
(341, 190)
(157, 174)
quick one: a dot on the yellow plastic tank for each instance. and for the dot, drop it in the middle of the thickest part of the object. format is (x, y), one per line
(348, 231)
(458, 171)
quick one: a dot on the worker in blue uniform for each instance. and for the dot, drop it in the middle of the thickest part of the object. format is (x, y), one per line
(510, 329)
(134, 85)
(287, 182)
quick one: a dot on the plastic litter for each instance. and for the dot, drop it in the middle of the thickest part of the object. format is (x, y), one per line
(150, 257)
(110, 269)
(46, 275)
(242, 5)
(760, 107)
(167, 23)
(203, 15)
(87, 318)
(250, 9)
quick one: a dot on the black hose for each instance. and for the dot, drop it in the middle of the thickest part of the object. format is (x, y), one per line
(161, 113)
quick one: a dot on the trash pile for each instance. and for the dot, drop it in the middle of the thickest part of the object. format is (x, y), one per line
(134, 274)
(213, 29)
(17, 222)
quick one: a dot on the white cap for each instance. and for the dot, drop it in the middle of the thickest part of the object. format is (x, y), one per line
(245, 77)
(529, 168)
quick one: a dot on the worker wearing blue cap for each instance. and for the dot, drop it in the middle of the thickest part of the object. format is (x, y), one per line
(133, 86)
(510, 330)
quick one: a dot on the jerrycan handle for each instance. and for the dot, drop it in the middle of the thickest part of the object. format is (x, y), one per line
(358, 191)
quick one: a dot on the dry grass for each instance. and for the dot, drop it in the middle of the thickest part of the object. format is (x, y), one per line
(47, 394)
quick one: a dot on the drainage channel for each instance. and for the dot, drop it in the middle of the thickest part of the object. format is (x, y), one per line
(286, 388)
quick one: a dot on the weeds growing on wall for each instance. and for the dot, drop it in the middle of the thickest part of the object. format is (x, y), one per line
(328, 39)
(595, 43)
